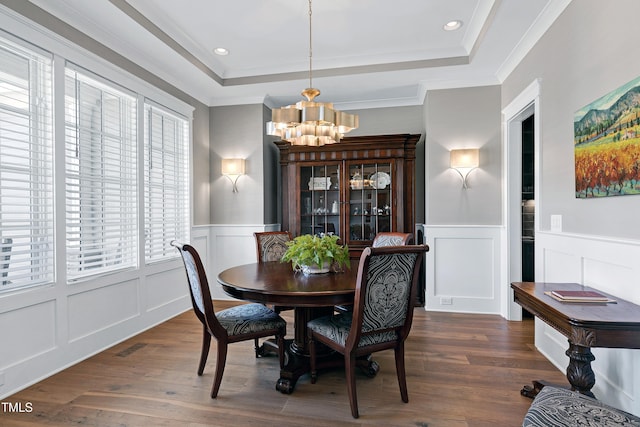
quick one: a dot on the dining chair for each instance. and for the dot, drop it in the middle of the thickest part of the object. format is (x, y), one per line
(384, 238)
(240, 323)
(386, 287)
(270, 246)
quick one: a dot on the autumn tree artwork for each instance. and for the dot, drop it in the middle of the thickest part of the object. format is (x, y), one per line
(607, 144)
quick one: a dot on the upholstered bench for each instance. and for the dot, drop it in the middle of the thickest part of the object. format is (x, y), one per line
(557, 407)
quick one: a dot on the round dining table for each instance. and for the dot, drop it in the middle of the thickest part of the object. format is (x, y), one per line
(311, 296)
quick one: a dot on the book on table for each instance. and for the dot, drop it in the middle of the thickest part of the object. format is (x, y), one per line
(579, 296)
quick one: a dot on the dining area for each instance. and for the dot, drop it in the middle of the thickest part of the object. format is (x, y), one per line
(341, 316)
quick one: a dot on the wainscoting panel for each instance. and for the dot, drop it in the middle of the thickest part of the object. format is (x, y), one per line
(463, 269)
(101, 308)
(562, 266)
(165, 288)
(609, 265)
(37, 323)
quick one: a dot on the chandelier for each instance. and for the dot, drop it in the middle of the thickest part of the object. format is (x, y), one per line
(310, 122)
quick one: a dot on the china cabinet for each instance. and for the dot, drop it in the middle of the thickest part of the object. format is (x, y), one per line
(354, 189)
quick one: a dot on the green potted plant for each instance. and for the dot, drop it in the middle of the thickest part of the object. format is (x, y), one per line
(314, 254)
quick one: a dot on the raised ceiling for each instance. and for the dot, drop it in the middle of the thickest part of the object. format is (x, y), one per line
(366, 53)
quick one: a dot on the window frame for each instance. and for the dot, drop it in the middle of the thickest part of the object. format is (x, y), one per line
(173, 181)
(27, 217)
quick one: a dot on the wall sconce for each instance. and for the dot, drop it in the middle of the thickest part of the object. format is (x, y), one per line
(232, 169)
(464, 161)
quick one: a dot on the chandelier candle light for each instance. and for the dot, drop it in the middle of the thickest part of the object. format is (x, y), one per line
(309, 122)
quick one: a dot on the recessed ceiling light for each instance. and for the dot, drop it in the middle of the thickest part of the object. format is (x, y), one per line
(220, 51)
(452, 25)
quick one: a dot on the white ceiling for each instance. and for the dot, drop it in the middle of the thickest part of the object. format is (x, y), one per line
(366, 53)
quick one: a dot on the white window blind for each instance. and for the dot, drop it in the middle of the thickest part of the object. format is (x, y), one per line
(26, 168)
(166, 182)
(101, 180)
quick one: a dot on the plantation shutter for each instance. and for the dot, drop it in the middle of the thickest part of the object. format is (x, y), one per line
(101, 180)
(166, 182)
(26, 168)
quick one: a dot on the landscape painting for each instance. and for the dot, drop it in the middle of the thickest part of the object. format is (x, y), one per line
(607, 144)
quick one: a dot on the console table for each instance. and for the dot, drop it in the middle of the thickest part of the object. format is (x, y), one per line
(586, 325)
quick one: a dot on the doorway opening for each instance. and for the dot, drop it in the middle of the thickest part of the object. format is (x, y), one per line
(528, 200)
(528, 204)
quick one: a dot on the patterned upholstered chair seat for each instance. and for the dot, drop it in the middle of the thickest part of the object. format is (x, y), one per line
(556, 407)
(248, 319)
(337, 329)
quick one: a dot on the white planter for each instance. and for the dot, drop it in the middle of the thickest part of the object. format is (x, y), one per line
(315, 269)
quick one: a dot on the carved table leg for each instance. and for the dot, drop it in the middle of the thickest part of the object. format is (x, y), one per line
(579, 372)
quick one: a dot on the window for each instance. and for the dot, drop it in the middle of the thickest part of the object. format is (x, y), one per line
(26, 168)
(101, 176)
(111, 214)
(166, 182)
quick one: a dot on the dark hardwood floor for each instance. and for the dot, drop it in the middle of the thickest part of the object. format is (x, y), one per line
(462, 370)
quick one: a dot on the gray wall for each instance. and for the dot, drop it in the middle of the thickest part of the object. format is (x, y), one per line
(463, 118)
(386, 121)
(237, 131)
(201, 175)
(271, 175)
(591, 50)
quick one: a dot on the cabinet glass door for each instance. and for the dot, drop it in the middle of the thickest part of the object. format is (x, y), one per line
(370, 200)
(320, 199)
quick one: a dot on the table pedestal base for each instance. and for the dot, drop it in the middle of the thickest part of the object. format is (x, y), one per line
(297, 360)
(297, 364)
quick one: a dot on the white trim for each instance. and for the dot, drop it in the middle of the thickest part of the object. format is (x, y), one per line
(522, 100)
(523, 105)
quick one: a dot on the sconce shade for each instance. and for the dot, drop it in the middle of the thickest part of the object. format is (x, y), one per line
(466, 158)
(232, 169)
(232, 166)
(464, 161)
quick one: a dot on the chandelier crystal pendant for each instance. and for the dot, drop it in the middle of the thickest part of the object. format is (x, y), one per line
(310, 122)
